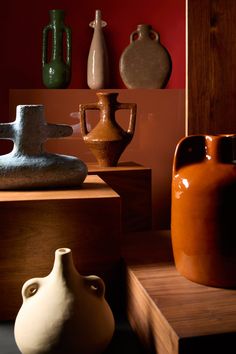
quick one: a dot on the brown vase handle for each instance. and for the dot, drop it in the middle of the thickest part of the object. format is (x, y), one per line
(132, 118)
(82, 112)
(155, 35)
(133, 34)
(189, 150)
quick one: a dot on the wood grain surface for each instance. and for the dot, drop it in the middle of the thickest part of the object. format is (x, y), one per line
(211, 66)
(133, 183)
(34, 224)
(170, 313)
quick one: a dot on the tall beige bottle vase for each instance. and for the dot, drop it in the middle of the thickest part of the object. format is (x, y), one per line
(64, 312)
(98, 65)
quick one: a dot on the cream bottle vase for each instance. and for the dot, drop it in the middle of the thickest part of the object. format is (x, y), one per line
(97, 65)
(64, 312)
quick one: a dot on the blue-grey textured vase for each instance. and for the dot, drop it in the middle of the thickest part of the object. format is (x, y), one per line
(28, 166)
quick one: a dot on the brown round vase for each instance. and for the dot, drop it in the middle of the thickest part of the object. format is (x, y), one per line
(203, 226)
(107, 140)
(145, 63)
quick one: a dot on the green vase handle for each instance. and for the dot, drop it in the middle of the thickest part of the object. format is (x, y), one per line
(68, 45)
(45, 44)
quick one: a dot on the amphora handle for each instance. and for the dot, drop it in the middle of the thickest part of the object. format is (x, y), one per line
(82, 112)
(132, 118)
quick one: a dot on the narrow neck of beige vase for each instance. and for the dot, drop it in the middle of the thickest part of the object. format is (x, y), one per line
(212, 148)
(98, 18)
(63, 263)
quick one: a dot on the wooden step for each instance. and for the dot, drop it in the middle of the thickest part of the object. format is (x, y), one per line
(170, 313)
(35, 223)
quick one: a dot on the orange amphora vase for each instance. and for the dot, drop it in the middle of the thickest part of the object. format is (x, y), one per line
(107, 140)
(203, 226)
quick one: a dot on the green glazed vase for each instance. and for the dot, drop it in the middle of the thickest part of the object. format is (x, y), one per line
(56, 71)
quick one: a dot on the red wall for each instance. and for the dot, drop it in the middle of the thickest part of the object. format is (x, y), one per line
(21, 33)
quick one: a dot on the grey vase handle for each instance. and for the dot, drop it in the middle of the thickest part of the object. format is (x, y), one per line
(137, 33)
(155, 35)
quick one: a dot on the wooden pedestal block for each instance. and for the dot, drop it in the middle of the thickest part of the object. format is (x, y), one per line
(133, 183)
(171, 314)
(35, 223)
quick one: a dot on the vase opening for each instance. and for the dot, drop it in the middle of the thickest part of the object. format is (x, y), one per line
(64, 250)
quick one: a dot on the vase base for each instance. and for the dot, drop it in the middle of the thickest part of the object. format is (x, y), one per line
(39, 172)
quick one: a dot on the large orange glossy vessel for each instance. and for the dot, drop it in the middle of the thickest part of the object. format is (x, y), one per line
(203, 215)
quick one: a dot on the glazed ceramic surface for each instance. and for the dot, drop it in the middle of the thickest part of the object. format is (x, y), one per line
(98, 65)
(64, 312)
(28, 166)
(203, 224)
(56, 71)
(107, 140)
(145, 63)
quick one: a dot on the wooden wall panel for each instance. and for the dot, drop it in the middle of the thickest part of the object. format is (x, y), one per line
(33, 224)
(211, 66)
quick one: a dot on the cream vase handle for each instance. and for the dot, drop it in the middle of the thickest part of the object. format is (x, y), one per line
(30, 288)
(95, 284)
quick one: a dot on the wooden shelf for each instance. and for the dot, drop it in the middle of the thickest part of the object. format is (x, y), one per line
(133, 183)
(170, 313)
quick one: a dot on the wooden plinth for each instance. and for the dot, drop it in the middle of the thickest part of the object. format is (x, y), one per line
(35, 223)
(170, 313)
(133, 183)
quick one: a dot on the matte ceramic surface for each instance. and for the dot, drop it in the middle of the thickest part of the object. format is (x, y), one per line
(28, 166)
(145, 63)
(98, 65)
(107, 140)
(203, 209)
(56, 71)
(64, 313)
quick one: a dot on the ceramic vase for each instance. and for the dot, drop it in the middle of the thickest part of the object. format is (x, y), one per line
(28, 165)
(98, 65)
(145, 63)
(203, 213)
(107, 140)
(56, 70)
(64, 312)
